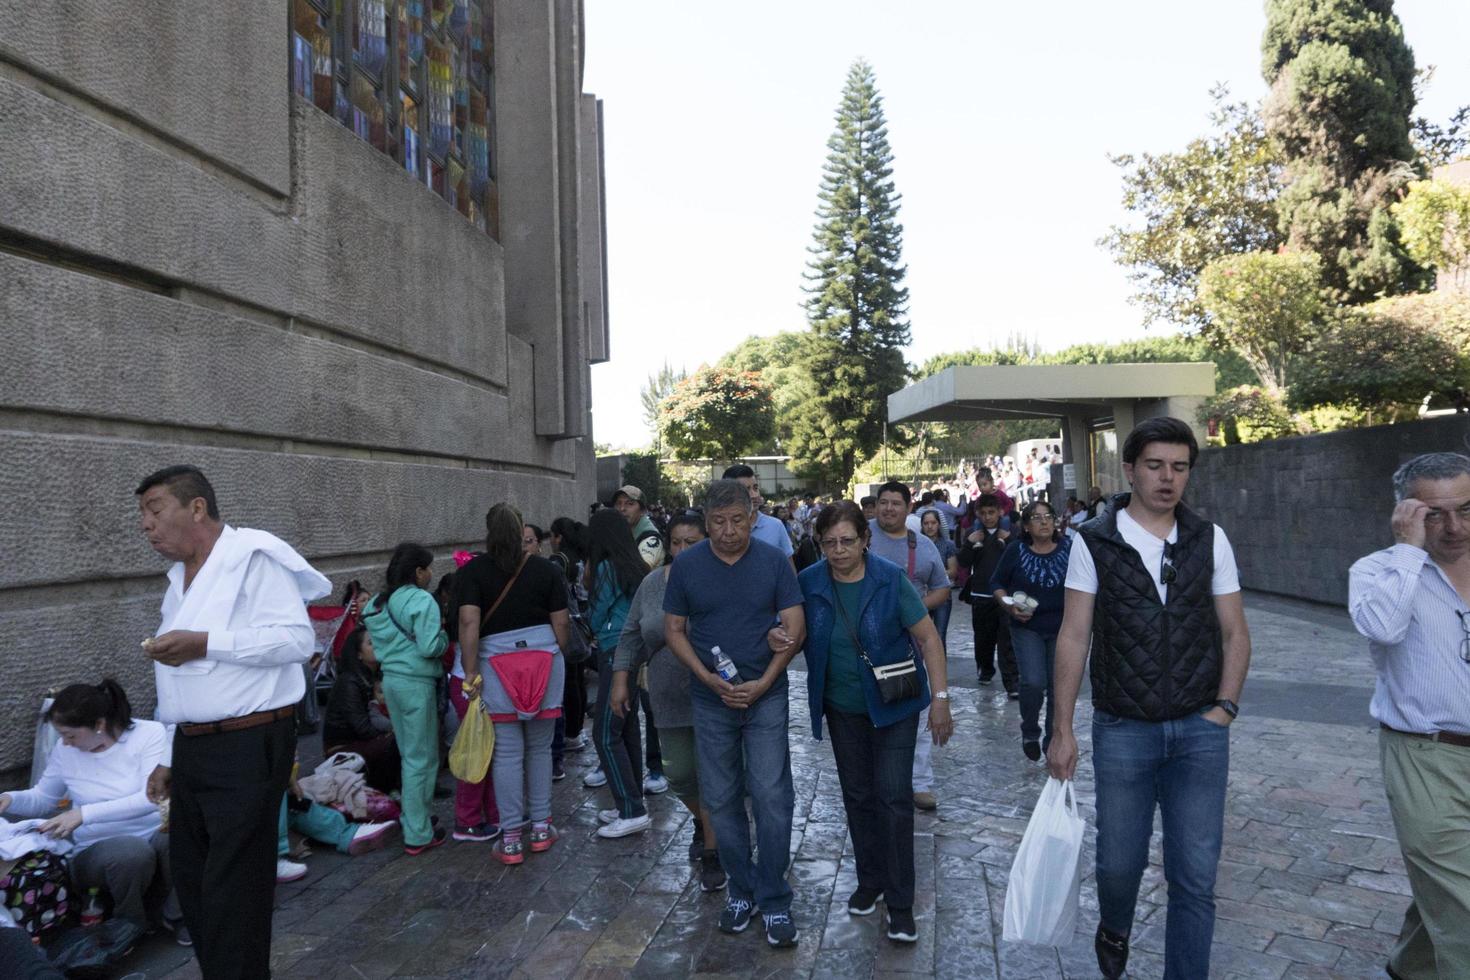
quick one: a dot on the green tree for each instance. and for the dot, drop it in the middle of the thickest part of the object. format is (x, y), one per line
(717, 413)
(856, 303)
(1216, 197)
(778, 360)
(1434, 219)
(642, 470)
(1265, 306)
(659, 386)
(1342, 94)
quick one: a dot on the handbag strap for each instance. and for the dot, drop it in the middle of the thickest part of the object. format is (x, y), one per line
(846, 622)
(485, 619)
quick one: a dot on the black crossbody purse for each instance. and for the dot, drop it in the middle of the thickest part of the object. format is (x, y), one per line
(896, 682)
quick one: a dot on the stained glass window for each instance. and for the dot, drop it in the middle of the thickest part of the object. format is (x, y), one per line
(413, 78)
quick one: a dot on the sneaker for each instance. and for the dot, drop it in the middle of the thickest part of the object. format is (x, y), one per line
(510, 851)
(370, 837)
(926, 801)
(543, 837)
(1013, 695)
(623, 826)
(736, 915)
(1112, 953)
(180, 931)
(780, 930)
(901, 926)
(655, 783)
(575, 744)
(863, 901)
(711, 872)
(696, 846)
(987, 679)
(414, 850)
(1032, 748)
(608, 816)
(287, 870)
(479, 832)
(558, 773)
(594, 779)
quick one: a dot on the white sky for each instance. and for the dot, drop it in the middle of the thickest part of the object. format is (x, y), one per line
(1000, 115)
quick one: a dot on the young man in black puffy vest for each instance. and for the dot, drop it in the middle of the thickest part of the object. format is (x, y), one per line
(1154, 589)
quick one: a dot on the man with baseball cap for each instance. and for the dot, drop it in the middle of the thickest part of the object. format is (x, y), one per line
(629, 502)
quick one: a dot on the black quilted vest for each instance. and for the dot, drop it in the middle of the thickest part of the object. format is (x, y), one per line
(1152, 661)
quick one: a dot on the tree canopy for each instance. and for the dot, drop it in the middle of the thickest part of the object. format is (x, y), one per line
(1267, 306)
(778, 359)
(717, 413)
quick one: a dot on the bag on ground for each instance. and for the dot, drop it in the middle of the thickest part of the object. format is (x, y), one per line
(469, 757)
(1046, 877)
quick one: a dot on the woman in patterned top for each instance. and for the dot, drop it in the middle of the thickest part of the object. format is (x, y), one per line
(1035, 564)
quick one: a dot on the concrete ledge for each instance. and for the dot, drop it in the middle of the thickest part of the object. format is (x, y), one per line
(212, 76)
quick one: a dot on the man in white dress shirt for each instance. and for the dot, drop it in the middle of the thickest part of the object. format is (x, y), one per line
(227, 663)
(1412, 602)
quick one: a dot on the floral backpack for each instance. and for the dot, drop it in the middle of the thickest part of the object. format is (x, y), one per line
(36, 893)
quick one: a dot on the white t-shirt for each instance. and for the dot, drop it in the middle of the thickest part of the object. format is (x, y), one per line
(1082, 573)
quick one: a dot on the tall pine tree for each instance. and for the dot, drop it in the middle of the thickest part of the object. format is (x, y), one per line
(1342, 93)
(856, 303)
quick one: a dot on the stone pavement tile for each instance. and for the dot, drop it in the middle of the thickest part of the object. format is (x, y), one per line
(624, 939)
(1392, 884)
(1326, 870)
(1272, 918)
(1368, 940)
(1232, 961)
(842, 964)
(1365, 898)
(1287, 881)
(1308, 951)
(1316, 906)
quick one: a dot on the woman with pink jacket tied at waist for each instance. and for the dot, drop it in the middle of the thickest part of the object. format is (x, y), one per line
(512, 626)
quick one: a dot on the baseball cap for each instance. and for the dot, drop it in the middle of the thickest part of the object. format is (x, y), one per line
(631, 492)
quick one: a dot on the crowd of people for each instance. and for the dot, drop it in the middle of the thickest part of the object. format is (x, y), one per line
(690, 623)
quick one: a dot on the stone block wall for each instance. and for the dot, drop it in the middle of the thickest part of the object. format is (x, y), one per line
(197, 266)
(1300, 511)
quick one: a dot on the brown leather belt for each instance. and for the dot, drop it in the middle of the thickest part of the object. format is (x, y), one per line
(236, 724)
(1448, 738)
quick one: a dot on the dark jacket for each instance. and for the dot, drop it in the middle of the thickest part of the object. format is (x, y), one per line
(981, 560)
(1152, 661)
(878, 626)
(349, 706)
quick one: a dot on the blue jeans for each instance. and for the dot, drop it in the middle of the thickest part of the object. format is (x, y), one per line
(1035, 655)
(1180, 766)
(722, 737)
(875, 767)
(940, 615)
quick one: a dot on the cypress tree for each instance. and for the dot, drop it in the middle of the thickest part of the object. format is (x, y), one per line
(1342, 92)
(856, 304)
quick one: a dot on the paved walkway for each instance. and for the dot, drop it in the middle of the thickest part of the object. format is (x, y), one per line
(1311, 882)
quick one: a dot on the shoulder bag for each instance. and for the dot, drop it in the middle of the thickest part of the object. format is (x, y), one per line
(896, 682)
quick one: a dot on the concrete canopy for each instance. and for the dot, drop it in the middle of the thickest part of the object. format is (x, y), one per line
(965, 392)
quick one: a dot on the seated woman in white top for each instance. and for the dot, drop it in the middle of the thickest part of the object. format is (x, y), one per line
(102, 764)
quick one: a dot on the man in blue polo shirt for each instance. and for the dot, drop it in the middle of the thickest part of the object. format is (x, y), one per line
(726, 592)
(766, 527)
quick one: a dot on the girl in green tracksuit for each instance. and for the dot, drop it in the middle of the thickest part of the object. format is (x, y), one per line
(409, 640)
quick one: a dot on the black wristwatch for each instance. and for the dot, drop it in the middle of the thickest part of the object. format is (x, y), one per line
(1231, 708)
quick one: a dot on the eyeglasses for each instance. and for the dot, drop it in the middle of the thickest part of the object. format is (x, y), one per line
(1465, 641)
(839, 544)
(1168, 573)
(1041, 519)
(1437, 517)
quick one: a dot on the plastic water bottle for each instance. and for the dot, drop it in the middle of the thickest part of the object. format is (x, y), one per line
(724, 666)
(92, 914)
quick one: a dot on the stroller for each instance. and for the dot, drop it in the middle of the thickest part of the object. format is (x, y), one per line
(333, 624)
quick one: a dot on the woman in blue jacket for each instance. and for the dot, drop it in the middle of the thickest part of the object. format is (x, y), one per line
(862, 612)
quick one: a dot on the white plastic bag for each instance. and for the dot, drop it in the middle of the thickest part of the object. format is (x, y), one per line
(1046, 877)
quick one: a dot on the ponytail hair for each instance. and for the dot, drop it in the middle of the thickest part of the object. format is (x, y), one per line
(84, 705)
(403, 567)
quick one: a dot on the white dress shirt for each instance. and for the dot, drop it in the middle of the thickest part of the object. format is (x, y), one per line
(250, 597)
(1405, 605)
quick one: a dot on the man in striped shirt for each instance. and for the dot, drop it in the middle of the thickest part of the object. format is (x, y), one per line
(1412, 602)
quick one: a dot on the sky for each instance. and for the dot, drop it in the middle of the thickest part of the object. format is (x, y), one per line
(1001, 117)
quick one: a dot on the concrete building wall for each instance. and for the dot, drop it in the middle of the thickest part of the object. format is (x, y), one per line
(196, 266)
(1300, 511)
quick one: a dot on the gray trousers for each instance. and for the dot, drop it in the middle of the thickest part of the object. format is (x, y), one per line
(134, 871)
(521, 768)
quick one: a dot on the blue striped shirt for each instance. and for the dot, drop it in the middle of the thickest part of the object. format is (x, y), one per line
(1405, 605)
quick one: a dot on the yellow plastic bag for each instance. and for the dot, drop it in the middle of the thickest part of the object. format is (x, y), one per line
(469, 756)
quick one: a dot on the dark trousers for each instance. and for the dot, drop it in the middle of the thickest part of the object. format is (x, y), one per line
(618, 746)
(876, 769)
(654, 755)
(223, 830)
(991, 635)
